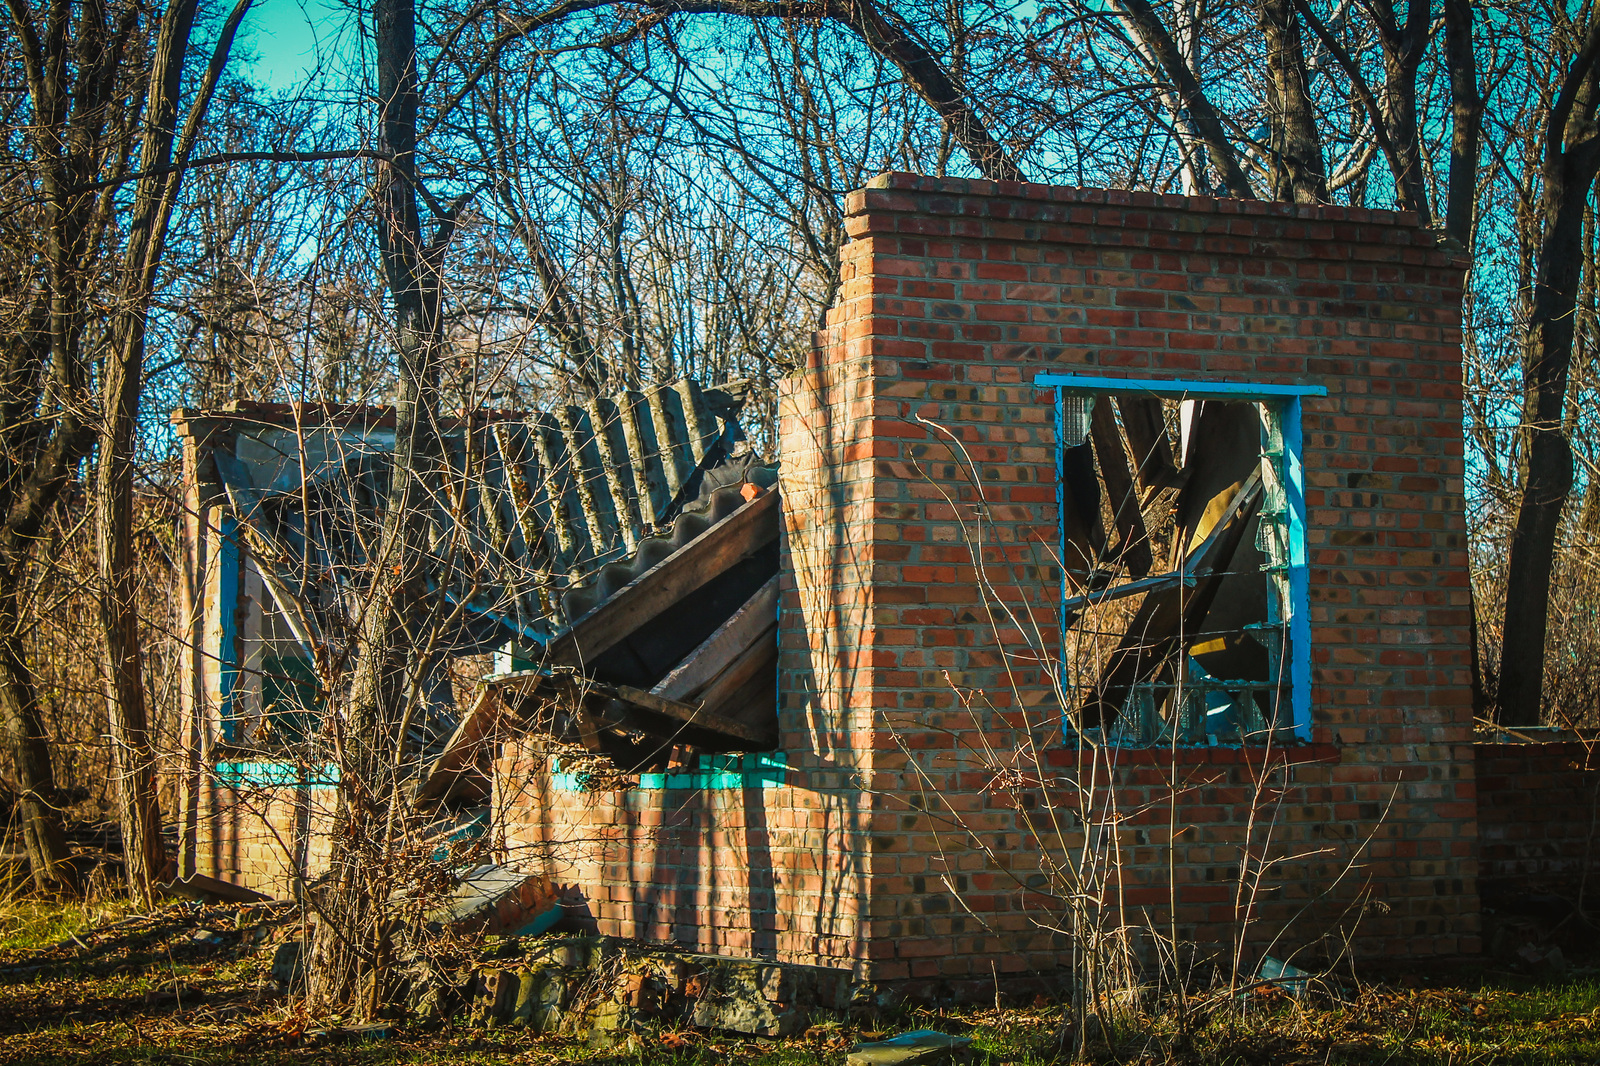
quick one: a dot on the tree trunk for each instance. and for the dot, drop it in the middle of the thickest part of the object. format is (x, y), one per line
(1572, 157)
(1299, 173)
(350, 958)
(883, 31)
(1402, 48)
(133, 755)
(381, 669)
(1466, 120)
(154, 197)
(1162, 51)
(42, 833)
(887, 35)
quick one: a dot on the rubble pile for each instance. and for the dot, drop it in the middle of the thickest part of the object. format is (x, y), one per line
(607, 987)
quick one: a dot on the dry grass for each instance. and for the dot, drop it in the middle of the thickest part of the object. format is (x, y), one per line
(105, 985)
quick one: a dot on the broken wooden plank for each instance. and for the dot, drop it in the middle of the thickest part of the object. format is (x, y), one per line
(723, 646)
(747, 530)
(1166, 614)
(691, 714)
(527, 684)
(1082, 533)
(634, 709)
(460, 756)
(246, 502)
(1186, 574)
(1146, 430)
(760, 657)
(588, 726)
(1077, 604)
(1133, 544)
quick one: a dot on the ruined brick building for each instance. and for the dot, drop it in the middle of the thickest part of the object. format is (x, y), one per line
(1099, 519)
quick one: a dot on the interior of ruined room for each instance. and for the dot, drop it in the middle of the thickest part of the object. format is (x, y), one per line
(1179, 523)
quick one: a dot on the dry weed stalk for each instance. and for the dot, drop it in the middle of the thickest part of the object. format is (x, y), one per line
(1090, 840)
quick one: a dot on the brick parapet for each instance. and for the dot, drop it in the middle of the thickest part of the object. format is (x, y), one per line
(767, 872)
(269, 838)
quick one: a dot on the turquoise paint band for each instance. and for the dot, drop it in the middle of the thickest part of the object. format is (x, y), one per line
(1299, 572)
(1194, 390)
(714, 773)
(276, 774)
(229, 577)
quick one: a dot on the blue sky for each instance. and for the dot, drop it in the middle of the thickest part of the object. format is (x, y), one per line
(284, 36)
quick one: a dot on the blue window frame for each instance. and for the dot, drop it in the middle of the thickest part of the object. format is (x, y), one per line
(1152, 683)
(229, 581)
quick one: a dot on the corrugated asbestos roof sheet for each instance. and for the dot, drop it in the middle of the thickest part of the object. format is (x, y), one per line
(529, 510)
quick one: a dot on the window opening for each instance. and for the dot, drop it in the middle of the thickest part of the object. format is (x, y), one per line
(1184, 573)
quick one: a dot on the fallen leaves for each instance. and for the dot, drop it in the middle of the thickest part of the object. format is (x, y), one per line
(148, 987)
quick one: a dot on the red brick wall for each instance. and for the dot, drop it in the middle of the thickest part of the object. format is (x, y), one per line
(927, 792)
(264, 837)
(955, 295)
(1537, 817)
(766, 872)
(777, 872)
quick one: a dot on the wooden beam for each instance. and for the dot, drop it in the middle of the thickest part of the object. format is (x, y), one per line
(692, 714)
(1082, 532)
(1157, 628)
(1076, 605)
(1146, 428)
(527, 684)
(722, 647)
(759, 656)
(734, 539)
(1133, 544)
(460, 755)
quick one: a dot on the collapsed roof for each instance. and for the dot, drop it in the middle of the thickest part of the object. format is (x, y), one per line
(603, 546)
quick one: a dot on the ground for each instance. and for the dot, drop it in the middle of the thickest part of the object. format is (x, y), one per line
(192, 984)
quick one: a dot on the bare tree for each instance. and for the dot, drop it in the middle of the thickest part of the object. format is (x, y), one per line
(164, 154)
(1571, 161)
(355, 934)
(76, 122)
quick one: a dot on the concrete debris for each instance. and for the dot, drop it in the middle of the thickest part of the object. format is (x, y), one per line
(205, 889)
(1543, 961)
(351, 1034)
(288, 965)
(497, 900)
(924, 1047)
(753, 997)
(606, 988)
